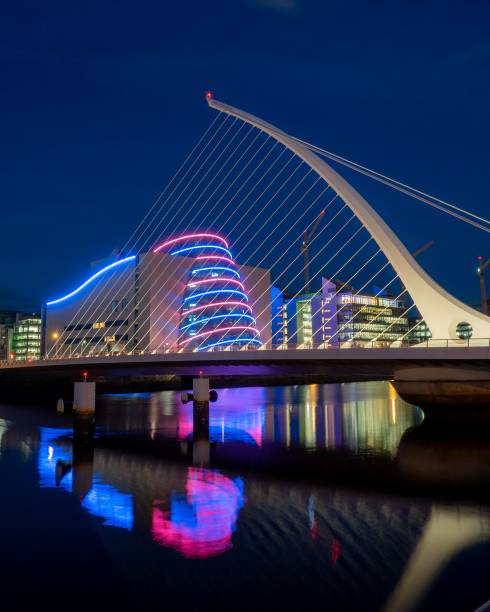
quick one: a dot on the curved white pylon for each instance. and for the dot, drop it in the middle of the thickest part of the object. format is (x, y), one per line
(441, 311)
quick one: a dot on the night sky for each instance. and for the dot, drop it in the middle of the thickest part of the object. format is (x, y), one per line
(101, 101)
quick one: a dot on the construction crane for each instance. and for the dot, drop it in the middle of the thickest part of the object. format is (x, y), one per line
(423, 248)
(481, 274)
(305, 249)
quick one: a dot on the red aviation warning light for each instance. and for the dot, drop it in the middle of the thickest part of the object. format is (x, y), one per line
(209, 95)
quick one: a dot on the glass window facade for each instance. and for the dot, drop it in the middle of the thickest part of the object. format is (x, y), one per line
(26, 339)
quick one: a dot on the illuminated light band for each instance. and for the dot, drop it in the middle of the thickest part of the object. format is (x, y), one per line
(92, 278)
(220, 330)
(197, 295)
(223, 316)
(216, 268)
(216, 280)
(202, 246)
(189, 237)
(213, 304)
(244, 340)
(220, 257)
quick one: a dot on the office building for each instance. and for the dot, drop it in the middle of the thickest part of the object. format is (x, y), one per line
(187, 293)
(7, 323)
(339, 315)
(26, 338)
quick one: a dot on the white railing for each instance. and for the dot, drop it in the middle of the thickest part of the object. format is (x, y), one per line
(444, 343)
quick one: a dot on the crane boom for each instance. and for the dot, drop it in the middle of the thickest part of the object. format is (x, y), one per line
(305, 248)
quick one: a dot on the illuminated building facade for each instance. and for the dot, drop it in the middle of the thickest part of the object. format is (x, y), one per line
(188, 293)
(363, 318)
(338, 314)
(26, 338)
(7, 323)
(215, 310)
(302, 320)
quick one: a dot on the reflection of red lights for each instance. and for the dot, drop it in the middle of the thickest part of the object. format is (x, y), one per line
(335, 551)
(233, 423)
(201, 523)
(314, 532)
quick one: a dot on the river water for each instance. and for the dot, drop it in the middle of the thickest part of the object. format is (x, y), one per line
(335, 497)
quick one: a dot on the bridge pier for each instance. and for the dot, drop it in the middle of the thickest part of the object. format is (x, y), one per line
(84, 397)
(446, 390)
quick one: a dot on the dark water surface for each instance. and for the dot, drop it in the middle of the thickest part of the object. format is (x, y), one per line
(335, 497)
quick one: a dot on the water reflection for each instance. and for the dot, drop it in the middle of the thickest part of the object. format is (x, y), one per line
(201, 522)
(365, 417)
(57, 470)
(161, 513)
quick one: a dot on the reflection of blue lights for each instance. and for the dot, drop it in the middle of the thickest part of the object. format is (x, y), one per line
(91, 279)
(49, 453)
(244, 340)
(223, 316)
(221, 433)
(234, 291)
(103, 500)
(202, 246)
(216, 268)
(114, 507)
(141, 394)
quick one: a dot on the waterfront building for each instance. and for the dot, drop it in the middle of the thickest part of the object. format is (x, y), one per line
(187, 293)
(363, 318)
(7, 323)
(302, 320)
(277, 317)
(339, 315)
(26, 338)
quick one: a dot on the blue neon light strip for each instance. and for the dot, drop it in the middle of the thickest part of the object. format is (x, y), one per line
(197, 295)
(202, 246)
(245, 340)
(223, 316)
(216, 268)
(91, 279)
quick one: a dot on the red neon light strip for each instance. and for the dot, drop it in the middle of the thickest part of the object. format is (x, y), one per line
(215, 280)
(213, 304)
(188, 237)
(220, 329)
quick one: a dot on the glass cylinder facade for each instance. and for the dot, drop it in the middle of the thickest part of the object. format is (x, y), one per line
(215, 312)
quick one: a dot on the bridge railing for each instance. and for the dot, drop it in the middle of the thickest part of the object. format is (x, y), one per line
(444, 343)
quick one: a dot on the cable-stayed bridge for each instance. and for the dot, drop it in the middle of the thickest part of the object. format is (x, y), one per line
(177, 289)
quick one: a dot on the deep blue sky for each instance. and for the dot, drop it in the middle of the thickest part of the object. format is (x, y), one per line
(100, 102)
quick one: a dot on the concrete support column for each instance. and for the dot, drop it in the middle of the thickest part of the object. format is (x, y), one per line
(84, 397)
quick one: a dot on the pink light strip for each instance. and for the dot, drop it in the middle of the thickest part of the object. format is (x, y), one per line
(215, 280)
(188, 237)
(218, 257)
(220, 329)
(213, 304)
